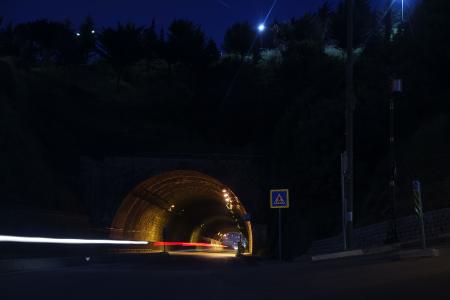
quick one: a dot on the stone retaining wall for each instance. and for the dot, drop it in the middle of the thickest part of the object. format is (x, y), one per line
(437, 222)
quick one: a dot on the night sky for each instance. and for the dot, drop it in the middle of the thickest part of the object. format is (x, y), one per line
(213, 15)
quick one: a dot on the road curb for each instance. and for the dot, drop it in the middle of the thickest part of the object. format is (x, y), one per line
(418, 253)
(337, 255)
(390, 251)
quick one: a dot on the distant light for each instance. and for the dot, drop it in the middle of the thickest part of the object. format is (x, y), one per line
(24, 239)
(78, 34)
(224, 191)
(226, 195)
(173, 206)
(92, 31)
(261, 27)
(235, 247)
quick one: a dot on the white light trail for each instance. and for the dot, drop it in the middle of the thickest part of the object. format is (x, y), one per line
(44, 240)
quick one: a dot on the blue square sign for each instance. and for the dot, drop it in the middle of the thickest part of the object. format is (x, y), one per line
(279, 198)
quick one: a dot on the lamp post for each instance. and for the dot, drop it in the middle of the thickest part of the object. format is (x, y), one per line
(396, 88)
(349, 110)
(403, 10)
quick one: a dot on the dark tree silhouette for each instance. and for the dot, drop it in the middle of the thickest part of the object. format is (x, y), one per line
(47, 41)
(150, 43)
(121, 47)
(364, 24)
(212, 54)
(186, 43)
(306, 28)
(324, 15)
(239, 39)
(7, 36)
(86, 39)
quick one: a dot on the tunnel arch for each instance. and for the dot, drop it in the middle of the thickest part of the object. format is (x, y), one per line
(192, 206)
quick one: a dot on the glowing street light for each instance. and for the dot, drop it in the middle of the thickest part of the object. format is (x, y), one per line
(403, 9)
(261, 27)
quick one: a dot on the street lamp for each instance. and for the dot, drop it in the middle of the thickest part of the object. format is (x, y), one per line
(403, 9)
(261, 27)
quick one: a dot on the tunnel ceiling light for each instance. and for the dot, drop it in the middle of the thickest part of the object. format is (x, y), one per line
(44, 240)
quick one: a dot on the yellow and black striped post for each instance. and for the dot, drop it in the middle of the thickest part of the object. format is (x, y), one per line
(418, 208)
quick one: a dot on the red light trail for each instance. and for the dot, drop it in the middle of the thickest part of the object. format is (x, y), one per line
(185, 244)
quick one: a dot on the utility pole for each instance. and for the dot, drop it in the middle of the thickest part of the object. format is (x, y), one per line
(396, 88)
(349, 110)
(388, 24)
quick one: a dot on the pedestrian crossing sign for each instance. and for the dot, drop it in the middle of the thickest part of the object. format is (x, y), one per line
(279, 198)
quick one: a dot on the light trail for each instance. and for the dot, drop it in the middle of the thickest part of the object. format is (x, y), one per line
(185, 244)
(44, 240)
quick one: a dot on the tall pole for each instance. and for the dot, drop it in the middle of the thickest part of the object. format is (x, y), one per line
(280, 240)
(396, 88)
(349, 109)
(388, 21)
(393, 181)
(403, 10)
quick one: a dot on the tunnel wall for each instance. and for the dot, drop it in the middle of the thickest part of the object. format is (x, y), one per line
(105, 182)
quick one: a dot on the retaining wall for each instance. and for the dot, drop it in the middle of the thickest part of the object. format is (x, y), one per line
(437, 222)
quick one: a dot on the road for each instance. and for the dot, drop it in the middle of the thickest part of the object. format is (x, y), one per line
(222, 277)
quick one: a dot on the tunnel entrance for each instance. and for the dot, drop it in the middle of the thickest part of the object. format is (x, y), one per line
(188, 206)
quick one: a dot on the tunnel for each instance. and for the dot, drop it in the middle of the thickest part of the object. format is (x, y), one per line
(181, 206)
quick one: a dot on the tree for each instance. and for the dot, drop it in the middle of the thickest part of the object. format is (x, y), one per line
(239, 39)
(324, 15)
(211, 52)
(121, 47)
(44, 41)
(86, 39)
(186, 43)
(304, 29)
(364, 23)
(7, 45)
(150, 42)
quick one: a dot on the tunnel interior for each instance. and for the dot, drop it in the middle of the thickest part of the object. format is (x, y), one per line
(181, 206)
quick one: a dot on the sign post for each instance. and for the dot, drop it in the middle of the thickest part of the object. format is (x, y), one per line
(279, 199)
(164, 236)
(344, 199)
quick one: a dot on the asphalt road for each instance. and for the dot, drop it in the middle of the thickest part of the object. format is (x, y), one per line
(224, 277)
